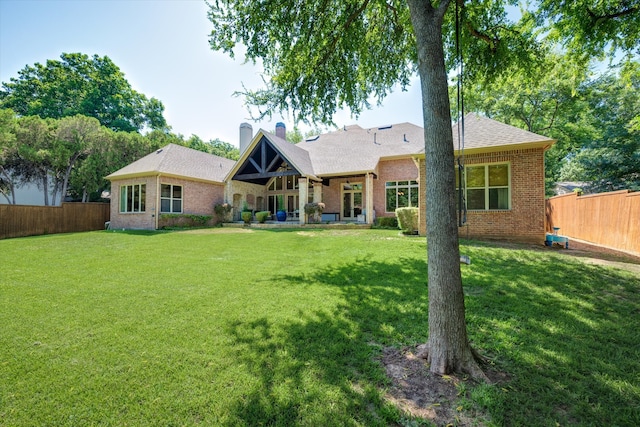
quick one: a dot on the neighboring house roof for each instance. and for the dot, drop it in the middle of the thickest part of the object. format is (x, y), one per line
(178, 161)
(567, 187)
(484, 134)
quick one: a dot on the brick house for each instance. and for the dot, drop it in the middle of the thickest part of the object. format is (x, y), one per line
(504, 171)
(359, 174)
(173, 179)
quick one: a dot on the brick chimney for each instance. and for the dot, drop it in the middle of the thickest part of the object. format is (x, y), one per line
(281, 130)
(246, 135)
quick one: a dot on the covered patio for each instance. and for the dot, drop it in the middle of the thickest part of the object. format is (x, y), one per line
(274, 175)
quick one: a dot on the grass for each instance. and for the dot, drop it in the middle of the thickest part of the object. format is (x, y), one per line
(266, 327)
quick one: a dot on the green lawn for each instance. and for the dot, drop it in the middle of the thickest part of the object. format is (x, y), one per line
(239, 327)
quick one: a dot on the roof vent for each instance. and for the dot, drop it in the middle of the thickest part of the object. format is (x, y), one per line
(312, 138)
(159, 151)
(385, 127)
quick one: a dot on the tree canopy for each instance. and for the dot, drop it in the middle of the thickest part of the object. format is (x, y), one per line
(591, 115)
(79, 84)
(322, 55)
(610, 158)
(72, 155)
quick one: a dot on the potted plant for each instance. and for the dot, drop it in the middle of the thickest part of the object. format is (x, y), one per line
(262, 216)
(281, 214)
(246, 217)
(246, 214)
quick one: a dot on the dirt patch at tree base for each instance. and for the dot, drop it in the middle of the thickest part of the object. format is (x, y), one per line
(421, 394)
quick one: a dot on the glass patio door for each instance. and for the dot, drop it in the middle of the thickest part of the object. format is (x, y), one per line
(351, 201)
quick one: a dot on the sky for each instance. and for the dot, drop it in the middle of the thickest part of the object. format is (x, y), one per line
(162, 48)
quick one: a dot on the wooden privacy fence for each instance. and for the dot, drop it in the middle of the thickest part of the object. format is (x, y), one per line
(20, 221)
(608, 219)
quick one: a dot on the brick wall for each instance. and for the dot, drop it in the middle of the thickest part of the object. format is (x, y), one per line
(525, 221)
(332, 195)
(391, 170)
(138, 221)
(198, 198)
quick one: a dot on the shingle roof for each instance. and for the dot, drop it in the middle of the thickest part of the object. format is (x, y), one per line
(295, 155)
(355, 150)
(177, 160)
(482, 132)
(348, 151)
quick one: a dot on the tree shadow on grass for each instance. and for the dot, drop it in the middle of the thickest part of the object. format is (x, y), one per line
(321, 368)
(563, 332)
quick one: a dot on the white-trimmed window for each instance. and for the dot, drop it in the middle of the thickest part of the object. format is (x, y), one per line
(488, 187)
(170, 198)
(401, 194)
(132, 198)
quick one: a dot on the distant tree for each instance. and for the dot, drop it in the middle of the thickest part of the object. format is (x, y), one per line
(159, 138)
(76, 138)
(610, 159)
(592, 118)
(33, 160)
(214, 146)
(8, 151)
(196, 143)
(544, 98)
(79, 84)
(223, 149)
(294, 136)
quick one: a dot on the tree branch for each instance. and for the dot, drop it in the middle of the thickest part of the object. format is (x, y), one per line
(491, 41)
(553, 116)
(338, 34)
(442, 9)
(596, 19)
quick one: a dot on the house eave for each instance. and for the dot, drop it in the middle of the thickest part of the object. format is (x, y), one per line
(345, 173)
(155, 174)
(545, 145)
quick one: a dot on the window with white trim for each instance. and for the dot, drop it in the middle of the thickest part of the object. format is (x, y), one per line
(170, 198)
(401, 194)
(488, 186)
(132, 198)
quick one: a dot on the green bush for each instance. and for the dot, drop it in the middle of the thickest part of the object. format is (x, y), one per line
(262, 216)
(387, 222)
(222, 212)
(168, 221)
(246, 216)
(408, 220)
(314, 211)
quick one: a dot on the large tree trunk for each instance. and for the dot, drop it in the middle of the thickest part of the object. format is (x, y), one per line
(448, 348)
